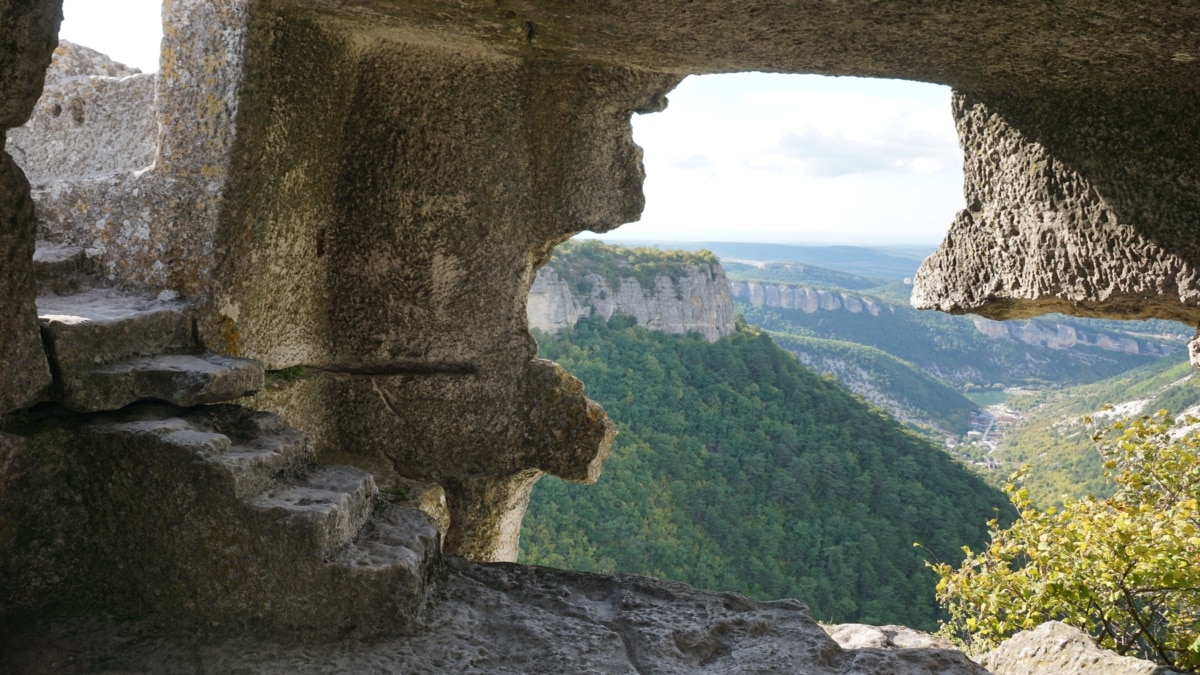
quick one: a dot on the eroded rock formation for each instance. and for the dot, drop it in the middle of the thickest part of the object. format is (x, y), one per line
(367, 189)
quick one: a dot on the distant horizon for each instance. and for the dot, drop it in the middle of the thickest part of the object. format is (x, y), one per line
(609, 238)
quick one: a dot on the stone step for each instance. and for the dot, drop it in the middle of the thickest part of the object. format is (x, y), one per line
(257, 465)
(182, 379)
(100, 326)
(330, 505)
(61, 269)
(219, 516)
(383, 577)
(259, 448)
(394, 536)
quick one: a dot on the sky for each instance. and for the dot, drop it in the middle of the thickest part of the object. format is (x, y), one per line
(794, 159)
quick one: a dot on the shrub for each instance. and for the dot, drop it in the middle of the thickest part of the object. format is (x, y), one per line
(1125, 569)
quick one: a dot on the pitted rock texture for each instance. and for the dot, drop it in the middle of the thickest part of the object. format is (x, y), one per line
(88, 124)
(517, 619)
(1090, 216)
(698, 302)
(1054, 648)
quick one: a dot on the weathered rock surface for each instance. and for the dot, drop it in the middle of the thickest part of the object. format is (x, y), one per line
(26, 44)
(859, 636)
(517, 619)
(696, 302)
(95, 119)
(214, 517)
(109, 349)
(1055, 648)
(26, 377)
(1092, 215)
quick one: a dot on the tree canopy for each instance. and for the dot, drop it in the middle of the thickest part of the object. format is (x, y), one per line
(738, 469)
(1125, 568)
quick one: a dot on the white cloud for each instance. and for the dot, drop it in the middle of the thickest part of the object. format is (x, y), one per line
(800, 158)
(831, 153)
(694, 162)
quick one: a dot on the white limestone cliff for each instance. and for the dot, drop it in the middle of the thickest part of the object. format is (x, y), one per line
(698, 301)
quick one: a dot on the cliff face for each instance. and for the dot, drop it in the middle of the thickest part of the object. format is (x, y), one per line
(696, 300)
(807, 300)
(1059, 337)
(812, 300)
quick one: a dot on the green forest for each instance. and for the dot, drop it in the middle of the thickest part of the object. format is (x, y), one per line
(738, 469)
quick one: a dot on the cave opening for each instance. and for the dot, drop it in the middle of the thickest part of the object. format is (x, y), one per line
(853, 181)
(821, 197)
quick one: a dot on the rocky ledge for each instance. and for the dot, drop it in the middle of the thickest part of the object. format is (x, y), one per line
(506, 618)
(503, 618)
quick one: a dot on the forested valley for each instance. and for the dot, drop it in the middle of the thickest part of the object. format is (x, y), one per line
(738, 469)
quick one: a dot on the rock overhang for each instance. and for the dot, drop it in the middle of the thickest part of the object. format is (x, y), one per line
(363, 185)
(1002, 46)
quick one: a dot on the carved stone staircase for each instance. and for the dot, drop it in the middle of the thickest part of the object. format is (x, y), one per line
(204, 514)
(108, 349)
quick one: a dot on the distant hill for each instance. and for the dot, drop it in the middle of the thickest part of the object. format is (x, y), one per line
(899, 387)
(736, 468)
(798, 273)
(954, 350)
(887, 263)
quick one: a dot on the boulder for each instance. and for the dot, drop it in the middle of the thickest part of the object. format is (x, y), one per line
(1054, 648)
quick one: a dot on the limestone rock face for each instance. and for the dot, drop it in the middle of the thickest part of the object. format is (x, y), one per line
(1058, 336)
(802, 298)
(1055, 648)
(699, 302)
(1092, 216)
(72, 60)
(94, 120)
